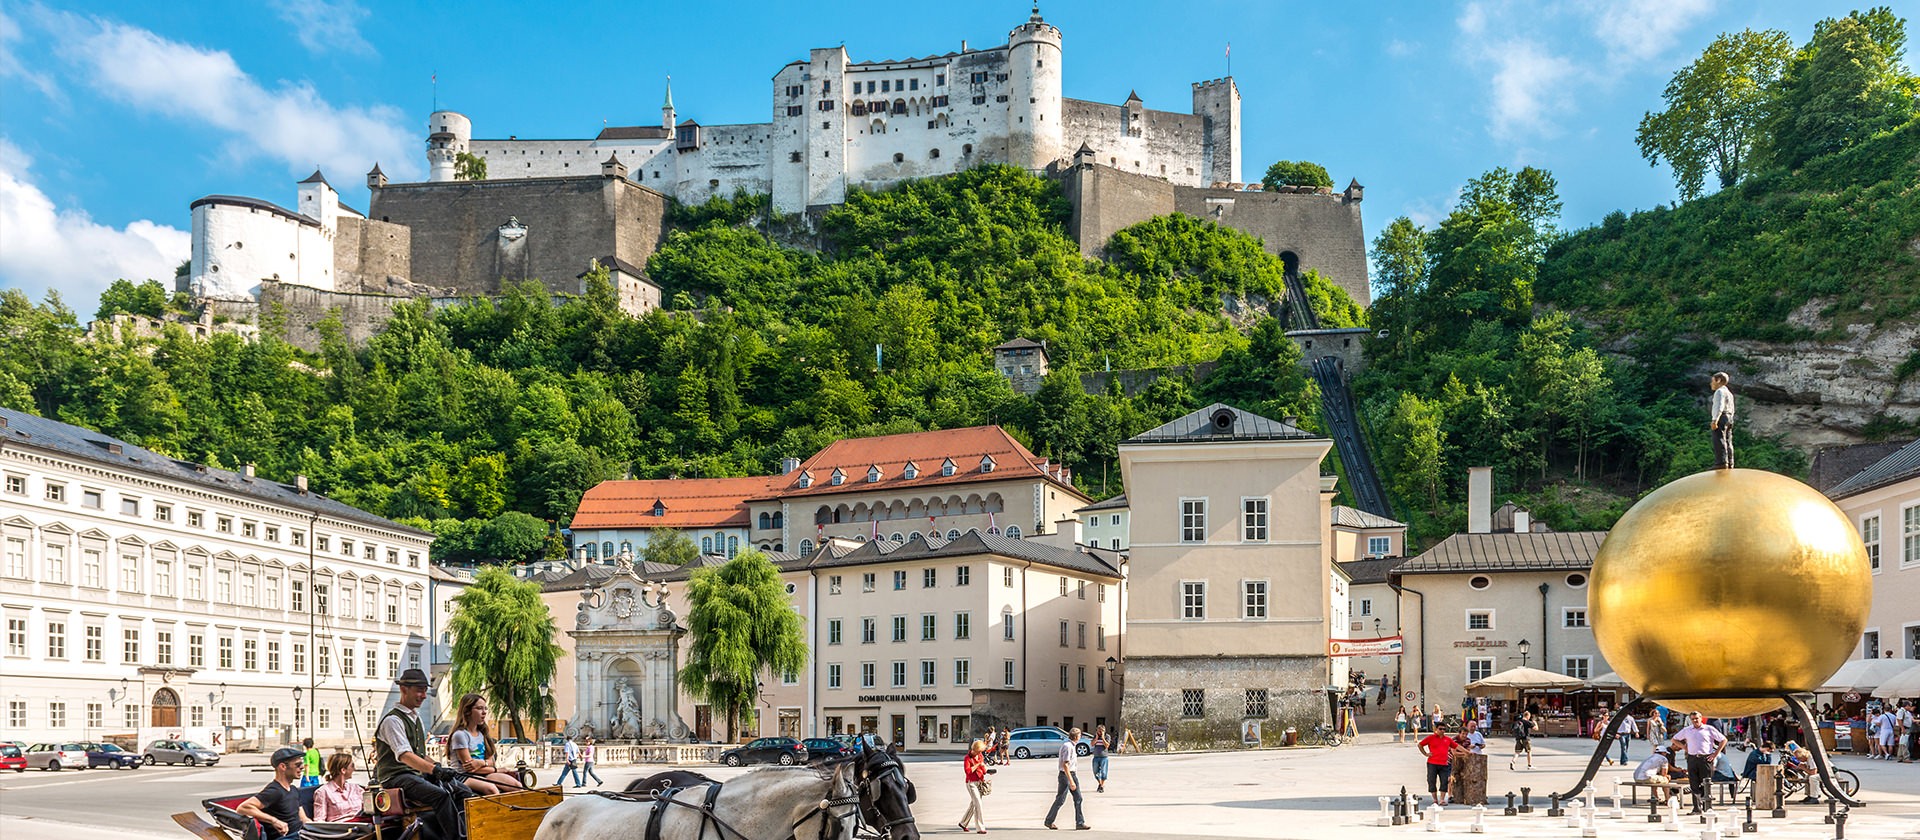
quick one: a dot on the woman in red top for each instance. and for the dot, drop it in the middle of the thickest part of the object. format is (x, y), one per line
(975, 766)
(1438, 748)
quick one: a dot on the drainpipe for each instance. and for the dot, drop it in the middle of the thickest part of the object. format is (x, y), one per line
(1543, 628)
(1423, 633)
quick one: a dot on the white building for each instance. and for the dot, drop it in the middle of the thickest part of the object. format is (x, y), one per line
(239, 241)
(837, 123)
(149, 597)
(1883, 499)
(1104, 524)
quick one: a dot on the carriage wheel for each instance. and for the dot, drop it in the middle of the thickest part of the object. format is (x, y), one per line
(527, 778)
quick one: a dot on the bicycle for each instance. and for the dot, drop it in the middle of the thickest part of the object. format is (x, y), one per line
(1327, 734)
(1793, 780)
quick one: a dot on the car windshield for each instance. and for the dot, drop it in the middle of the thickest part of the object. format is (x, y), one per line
(10, 751)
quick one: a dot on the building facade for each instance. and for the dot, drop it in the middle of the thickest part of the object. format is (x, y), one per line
(146, 597)
(1106, 524)
(1883, 500)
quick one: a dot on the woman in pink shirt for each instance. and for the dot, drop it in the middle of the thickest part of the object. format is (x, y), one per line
(338, 800)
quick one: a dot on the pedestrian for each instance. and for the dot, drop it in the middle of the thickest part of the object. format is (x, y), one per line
(1721, 413)
(1625, 733)
(1400, 726)
(974, 769)
(1656, 768)
(312, 776)
(1523, 727)
(570, 766)
(1657, 726)
(1908, 736)
(1069, 783)
(1381, 700)
(1475, 740)
(1704, 744)
(586, 763)
(1884, 727)
(1101, 746)
(1438, 748)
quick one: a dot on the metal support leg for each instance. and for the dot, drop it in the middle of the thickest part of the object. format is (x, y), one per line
(1601, 747)
(1827, 780)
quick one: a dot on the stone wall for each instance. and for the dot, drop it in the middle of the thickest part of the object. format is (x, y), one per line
(1153, 696)
(369, 254)
(1161, 143)
(1348, 345)
(301, 309)
(1105, 200)
(999, 708)
(1132, 382)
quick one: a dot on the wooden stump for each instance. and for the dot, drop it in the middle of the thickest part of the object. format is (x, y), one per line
(1468, 782)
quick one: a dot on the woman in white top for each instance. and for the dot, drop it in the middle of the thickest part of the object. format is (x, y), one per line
(471, 749)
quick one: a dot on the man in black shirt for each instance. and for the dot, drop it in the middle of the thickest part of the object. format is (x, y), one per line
(277, 806)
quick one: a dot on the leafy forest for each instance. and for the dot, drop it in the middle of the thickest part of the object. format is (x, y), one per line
(1565, 360)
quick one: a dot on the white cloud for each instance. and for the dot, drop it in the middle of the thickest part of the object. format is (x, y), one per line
(45, 247)
(289, 122)
(1530, 87)
(1639, 30)
(324, 27)
(11, 67)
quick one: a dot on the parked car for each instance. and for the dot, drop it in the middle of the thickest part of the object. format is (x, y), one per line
(12, 757)
(57, 756)
(110, 756)
(825, 748)
(1030, 741)
(766, 750)
(189, 753)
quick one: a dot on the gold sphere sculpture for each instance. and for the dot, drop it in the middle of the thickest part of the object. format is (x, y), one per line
(1728, 581)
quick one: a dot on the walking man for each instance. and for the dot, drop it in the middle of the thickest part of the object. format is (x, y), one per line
(1904, 731)
(571, 753)
(1069, 783)
(1625, 733)
(1523, 727)
(400, 759)
(1704, 744)
(1721, 413)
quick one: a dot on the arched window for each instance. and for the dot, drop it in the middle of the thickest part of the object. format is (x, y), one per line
(898, 537)
(1013, 532)
(806, 546)
(899, 158)
(879, 127)
(966, 149)
(779, 519)
(626, 546)
(706, 545)
(766, 521)
(934, 153)
(592, 550)
(719, 541)
(733, 546)
(933, 534)
(779, 546)
(953, 534)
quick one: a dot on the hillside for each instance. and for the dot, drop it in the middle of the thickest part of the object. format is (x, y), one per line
(1804, 284)
(476, 414)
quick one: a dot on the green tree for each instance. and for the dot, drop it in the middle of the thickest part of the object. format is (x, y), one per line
(670, 546)
(503, 646)
(1715, 108)
(148, 298)
(469, 167)
(1845, 84)
(740, 626)
(1303, 173)
(513, 537)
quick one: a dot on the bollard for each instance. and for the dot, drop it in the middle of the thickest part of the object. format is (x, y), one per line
(1479, 820)
(1831, 805)
(1526, 800)
(1653, 808)
(1385, 818)
(1553, 805)
(1510, 809)
(1779, 802)
(1750, 826)
(1433, 817)
(1840, 826)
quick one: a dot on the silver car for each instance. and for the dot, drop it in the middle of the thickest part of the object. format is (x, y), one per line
(190, 753)
(57, 756)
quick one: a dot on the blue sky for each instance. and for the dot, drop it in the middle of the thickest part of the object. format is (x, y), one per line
(115, 116)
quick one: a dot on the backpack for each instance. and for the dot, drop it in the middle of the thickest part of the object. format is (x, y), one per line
(1520, 729)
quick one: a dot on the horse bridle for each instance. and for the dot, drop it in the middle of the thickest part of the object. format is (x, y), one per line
(868, 780)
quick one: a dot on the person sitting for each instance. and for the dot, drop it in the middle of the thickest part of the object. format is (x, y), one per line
(400, 762)
(470, 747)
(1763, 755)
(340, 797)
(277, 806)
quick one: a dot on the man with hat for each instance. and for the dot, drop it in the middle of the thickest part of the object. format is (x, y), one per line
(277, 806)
(1657, 768)
(400, 761)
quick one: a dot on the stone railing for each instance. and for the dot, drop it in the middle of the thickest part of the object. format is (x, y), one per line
(605, 755)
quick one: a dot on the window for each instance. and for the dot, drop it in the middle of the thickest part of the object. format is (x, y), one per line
(1193, 520)
(833, 631)
(297, 599)
(1006, 673)
(16, 637)
(1366, 606)
(899, 628)
(129, 506)
(163, 647)
(1063, 585)
(96, 715)
(16, 558)
(962, 672)
(223, 524)
(1006, 625)
(1910, 535)
(899, 675)
(1479, 619)
(90, 569)
(1253, 520)
(299, 657)
(163, 578)
(16, 714)
(1080, 678)
(393, 664)
(868, 630)
(926, 673)
(1063, 677)
(1100, 636)
(1193, 703)
(248, 529)
(1100, 589)
(56, 640)
(1254, 599)
(866, 675)
(866, 582)
(1578, 667)
(196, 650)
(963, 576)
(929, 627)
(90, 498)
(929, 578)
(57, 715)
(56, 492)
(1081, 628)
(1193, 600)
(1576, 580)
(833, 675)
(899, 579)
(1256, 703)
(223, 586)
(56, 564)
(1479, 582)
(1379, 546)
(298, 538)
(273, 656)
(962, 626)
(95, 641)
(346, 548)
(226, 653)
(17, 485)
(1870, 534)
(1479, 668)
(1573, 617)
(130, 646)
(250, 654)
(1063, 632)
(346, 662)
(1006, 576)
(196, 582)
(833, 581)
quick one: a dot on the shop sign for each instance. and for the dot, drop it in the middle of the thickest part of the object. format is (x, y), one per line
(899, 698)
(1384, 646)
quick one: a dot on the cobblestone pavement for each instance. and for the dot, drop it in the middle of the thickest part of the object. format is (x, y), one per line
(1306, 793)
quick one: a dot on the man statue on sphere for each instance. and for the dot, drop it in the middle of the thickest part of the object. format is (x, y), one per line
(1720, 413)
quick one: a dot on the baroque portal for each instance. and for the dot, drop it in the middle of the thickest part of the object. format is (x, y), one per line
(627, 657)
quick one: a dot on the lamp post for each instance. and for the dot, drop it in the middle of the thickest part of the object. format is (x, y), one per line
(115, 696)
(1113, 676)
(297, 692)
(1524, 647)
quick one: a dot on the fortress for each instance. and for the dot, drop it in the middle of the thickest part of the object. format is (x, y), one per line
(549, 210)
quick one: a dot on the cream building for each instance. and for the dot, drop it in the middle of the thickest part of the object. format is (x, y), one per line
(1883, 500)
(148, 597)
(1230, 580)
(1107, 524)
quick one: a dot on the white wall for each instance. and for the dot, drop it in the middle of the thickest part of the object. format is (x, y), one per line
(235, 247)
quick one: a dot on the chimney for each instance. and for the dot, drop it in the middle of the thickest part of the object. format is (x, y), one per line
(1522, 521)
(246, 471)
(300, 484)
(789, 464)
(1479, 500)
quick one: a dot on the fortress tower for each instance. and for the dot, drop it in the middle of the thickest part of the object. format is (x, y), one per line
(1035, 133)
(1218, 103)
(448, 133)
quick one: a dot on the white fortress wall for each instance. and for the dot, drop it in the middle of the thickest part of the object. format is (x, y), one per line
(731, 158)
(239, 242)
(1158, 143)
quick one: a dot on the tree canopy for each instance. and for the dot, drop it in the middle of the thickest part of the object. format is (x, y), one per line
(740, 628)
(503, 647)
(1715, 109)
(1296, 173)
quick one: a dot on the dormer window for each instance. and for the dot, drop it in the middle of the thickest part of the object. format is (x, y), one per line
(806, 480)
(839, 477)
(947, 467)
(873, 474)
(659, 508)
(911, 472)
(986, 463)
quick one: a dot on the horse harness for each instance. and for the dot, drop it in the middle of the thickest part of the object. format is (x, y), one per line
(660, 800)
(867, 800)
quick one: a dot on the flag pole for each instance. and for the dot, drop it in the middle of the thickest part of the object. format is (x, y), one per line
(1229, 59)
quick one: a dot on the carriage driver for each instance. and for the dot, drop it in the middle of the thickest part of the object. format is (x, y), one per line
(400, 761)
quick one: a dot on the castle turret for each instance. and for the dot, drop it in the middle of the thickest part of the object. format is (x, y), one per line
(319, 201)
(612, 167)
(448, 133)
(375, 178)
(1035, 134)
(1218, 102)
(666, 110)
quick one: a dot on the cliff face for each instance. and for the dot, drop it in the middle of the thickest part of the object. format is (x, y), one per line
(1822, 393)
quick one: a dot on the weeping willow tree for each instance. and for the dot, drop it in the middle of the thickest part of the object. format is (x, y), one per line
(503, 647)
(741, 626)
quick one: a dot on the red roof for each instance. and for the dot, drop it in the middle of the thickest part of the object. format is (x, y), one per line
(686, 503)
(927, 451)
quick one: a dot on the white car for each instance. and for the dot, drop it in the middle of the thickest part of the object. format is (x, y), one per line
(57, 756)
(1042, 741)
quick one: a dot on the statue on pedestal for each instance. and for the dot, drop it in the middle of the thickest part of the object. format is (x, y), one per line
(625, 724)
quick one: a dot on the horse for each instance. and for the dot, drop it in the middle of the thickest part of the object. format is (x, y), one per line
(658, 783)
(817, 803)
(886, 795)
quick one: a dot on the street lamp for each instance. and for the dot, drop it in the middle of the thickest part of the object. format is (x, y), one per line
(1524, 647)
(115, 696)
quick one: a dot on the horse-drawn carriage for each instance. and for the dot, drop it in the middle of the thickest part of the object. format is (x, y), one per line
(865, 795)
